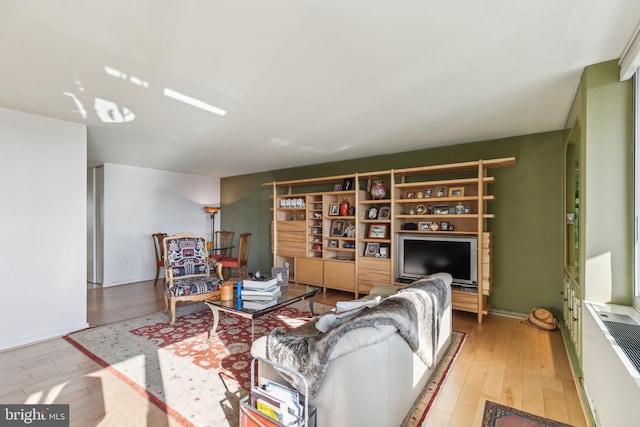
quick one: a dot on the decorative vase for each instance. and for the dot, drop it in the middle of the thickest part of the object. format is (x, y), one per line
(378, 190)
(344, 208)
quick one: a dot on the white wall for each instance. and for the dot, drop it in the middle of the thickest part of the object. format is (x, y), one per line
(91, 227)
(138, 202)
(43, 165)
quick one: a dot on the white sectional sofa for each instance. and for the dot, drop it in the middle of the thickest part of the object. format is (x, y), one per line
(373, 377)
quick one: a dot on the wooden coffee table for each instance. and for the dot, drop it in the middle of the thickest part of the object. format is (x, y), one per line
(235, 306)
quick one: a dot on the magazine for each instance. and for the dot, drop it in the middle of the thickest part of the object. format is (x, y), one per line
(278, 403)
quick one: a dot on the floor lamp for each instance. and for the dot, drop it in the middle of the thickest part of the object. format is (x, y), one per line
(212, 210)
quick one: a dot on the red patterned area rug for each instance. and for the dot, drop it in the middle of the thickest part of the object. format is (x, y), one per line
(496, 415)
(422, 405)
(198, 383)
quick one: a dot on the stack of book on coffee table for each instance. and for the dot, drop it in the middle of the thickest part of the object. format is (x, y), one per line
(259, 294)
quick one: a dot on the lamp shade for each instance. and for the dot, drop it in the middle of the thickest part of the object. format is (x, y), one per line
(212, 209)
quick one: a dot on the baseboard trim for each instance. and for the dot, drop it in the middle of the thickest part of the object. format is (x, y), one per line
(507, 313)
(23, 342)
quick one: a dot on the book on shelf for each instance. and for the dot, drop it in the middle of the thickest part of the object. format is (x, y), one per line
(258, 305)
(259, 284)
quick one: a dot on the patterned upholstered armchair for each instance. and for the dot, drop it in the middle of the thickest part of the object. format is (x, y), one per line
(187, 275)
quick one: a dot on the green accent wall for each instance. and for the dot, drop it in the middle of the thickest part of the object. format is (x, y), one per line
(607, 110)
(527, 230)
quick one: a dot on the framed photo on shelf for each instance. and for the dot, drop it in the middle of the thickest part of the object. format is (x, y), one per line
(337, 187)
(441, 210)
(384, 252)
(441, 191)
(424, 226)
(347, 184)
(281, 274)
(337, 228)
(384, 213)
(456, 192)
(334, 209)
(410, 195)
(378, 231)
(372, 213)
(333, 244)
(372, 249)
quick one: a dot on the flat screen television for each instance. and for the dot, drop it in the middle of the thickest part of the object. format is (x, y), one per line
(421, 255)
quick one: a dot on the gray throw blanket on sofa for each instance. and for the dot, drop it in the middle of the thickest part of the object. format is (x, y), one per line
(414, 311)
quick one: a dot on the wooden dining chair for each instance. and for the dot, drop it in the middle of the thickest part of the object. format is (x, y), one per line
(159, 248)
(223, 249)
(242, 260)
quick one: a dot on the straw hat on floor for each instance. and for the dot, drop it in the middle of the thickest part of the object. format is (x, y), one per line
(542, 319)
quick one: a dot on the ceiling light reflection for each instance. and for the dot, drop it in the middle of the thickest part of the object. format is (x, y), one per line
(110, 112)
(193, 102)
(79, 106)
(122, 75)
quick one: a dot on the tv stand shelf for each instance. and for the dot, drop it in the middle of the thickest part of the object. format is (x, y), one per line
(358, 251)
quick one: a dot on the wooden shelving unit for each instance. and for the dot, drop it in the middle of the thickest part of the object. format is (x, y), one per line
(453, 196)
(375, 254)
(305, 224)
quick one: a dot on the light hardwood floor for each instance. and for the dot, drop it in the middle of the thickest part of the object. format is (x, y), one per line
(502, 360)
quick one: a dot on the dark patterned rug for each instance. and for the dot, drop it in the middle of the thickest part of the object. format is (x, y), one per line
(496, 415)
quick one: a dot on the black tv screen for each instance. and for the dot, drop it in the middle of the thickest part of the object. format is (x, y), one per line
(423, 255)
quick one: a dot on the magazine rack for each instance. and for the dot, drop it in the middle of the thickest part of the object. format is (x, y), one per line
(251, 417)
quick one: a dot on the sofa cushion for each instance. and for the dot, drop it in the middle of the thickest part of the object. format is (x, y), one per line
(194, 286)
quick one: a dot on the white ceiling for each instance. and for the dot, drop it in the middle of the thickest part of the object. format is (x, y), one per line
(302, 81)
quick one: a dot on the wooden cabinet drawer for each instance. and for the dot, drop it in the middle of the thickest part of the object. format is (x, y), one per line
(465, 301)
(291, 236)
(298, 226)
(379, 265)
(286, 248)
(373, 272)
(309, 271)
(468, 301)
(340, 275)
